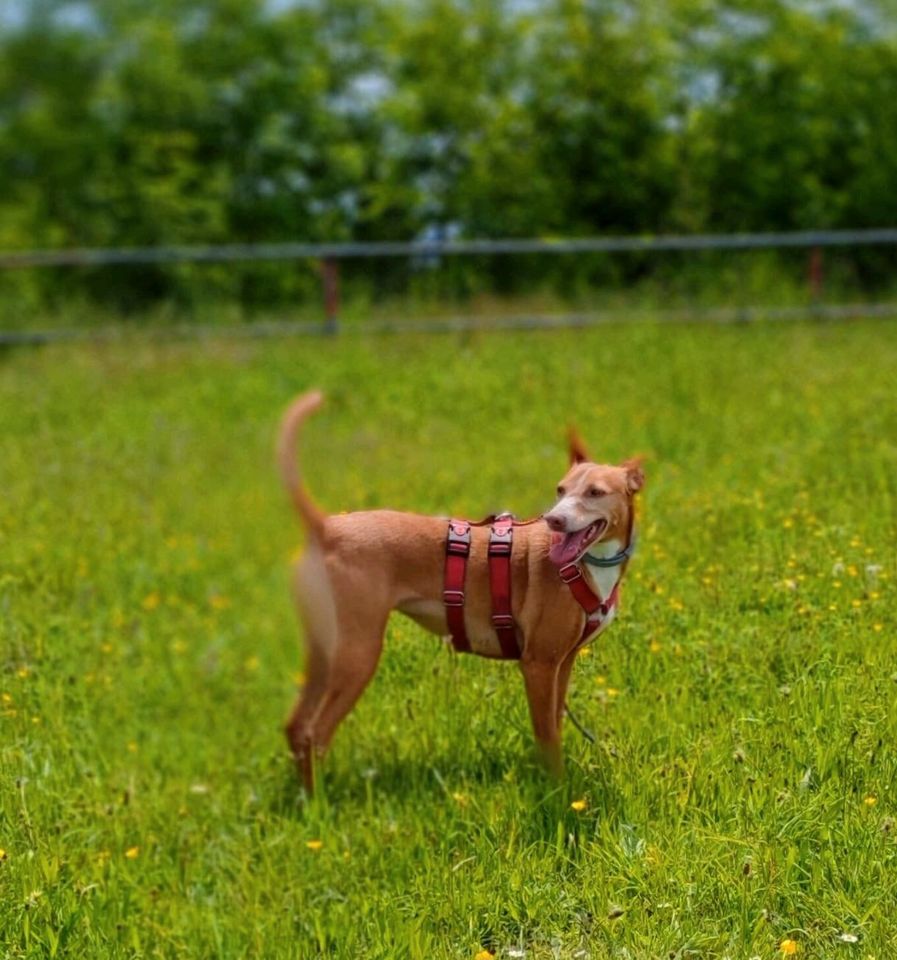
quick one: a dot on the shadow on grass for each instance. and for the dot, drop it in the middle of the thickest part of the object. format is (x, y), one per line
(499, 785)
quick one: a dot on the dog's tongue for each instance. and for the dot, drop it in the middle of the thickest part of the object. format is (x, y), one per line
(566, 547)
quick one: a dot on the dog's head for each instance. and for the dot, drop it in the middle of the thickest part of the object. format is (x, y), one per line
(594, 504)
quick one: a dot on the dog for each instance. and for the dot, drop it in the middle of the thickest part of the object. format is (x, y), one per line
(359, 567)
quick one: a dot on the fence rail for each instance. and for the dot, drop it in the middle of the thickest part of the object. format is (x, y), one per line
(263, 330)
(107, 256)
(329, 255)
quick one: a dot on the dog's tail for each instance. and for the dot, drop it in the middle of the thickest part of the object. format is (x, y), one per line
(288, 461)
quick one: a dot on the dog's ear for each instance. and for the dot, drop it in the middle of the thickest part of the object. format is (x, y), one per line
(635, 475)
(578, 452)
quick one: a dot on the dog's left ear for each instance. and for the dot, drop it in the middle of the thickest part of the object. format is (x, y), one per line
(578, 452)
(635, 475)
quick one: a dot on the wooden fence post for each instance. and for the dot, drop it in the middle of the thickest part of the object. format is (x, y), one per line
(330, 282)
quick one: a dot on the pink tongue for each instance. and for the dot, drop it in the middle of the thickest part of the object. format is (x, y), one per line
(566, 547)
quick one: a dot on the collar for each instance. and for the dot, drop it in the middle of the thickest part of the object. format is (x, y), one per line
(613, 561)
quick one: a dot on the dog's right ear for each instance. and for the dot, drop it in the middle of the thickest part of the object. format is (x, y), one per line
(578, 452)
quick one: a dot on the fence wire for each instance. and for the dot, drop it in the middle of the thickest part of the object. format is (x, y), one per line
(331, 254)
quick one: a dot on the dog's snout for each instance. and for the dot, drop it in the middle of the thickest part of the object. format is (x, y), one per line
(556, 523)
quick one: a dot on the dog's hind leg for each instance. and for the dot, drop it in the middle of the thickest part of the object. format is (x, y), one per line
(354, 662)
(314, 601)
(300, 726)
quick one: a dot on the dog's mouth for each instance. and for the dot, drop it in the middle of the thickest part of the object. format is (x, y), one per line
(569, 547)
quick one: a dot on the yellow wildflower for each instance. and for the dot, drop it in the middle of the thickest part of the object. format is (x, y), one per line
(132, 853)
(789, 947)
(2, 854)
(579, 805)
(484, 955)
(314, 845)
(460, 799)
(655, 646)
(870, 801)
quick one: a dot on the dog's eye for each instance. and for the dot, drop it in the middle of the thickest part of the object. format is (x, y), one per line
(561, 491)
(596, 492)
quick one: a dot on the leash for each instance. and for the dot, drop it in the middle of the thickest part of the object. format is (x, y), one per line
(571, 716)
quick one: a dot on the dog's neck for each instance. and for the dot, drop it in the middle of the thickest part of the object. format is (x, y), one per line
(604, 578)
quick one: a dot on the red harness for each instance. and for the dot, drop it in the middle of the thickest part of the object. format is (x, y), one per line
(501, 536)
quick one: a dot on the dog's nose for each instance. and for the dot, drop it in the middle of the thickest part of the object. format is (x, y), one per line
(558, 524)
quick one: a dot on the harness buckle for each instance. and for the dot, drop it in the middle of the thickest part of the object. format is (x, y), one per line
(570, 573)
(458, 542)
(453, 598)
(502, 621)
(500, 548)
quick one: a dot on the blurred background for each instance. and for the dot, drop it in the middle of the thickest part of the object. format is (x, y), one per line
(223, 168)
(128, 124)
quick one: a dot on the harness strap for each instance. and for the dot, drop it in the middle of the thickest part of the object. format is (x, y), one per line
(595, 608)
(501, 536)
(457, 550)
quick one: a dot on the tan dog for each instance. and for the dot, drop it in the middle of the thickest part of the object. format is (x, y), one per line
(359, 567)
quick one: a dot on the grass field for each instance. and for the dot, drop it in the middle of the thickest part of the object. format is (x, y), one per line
(740, 800)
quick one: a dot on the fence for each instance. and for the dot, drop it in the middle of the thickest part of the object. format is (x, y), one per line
(331, 254)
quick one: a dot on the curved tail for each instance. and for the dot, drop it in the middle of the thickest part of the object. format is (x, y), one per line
(288, 461)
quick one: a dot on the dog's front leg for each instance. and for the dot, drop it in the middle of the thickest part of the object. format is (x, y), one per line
(563, 683)
(541, 679)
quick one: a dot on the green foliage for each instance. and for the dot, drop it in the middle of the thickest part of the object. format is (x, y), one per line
(742, 788)
(126, 124)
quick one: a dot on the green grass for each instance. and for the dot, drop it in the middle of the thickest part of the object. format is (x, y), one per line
(743, 702)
